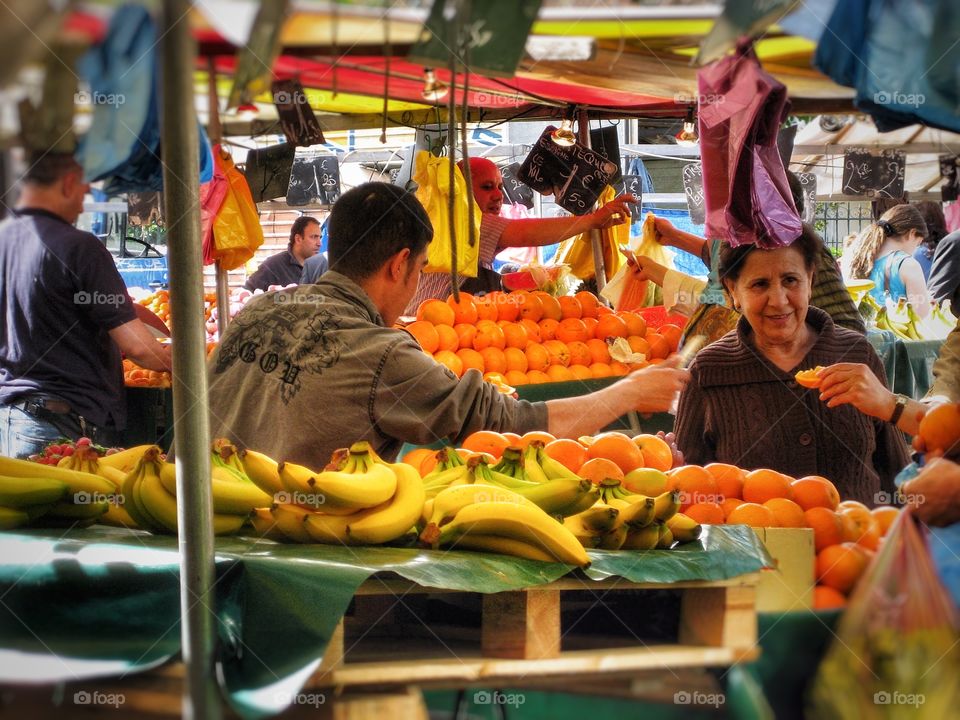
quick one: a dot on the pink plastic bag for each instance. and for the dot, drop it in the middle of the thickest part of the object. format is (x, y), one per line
(212, 195)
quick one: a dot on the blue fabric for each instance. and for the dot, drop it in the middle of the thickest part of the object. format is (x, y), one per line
(944, 548)
(313, 268)
(22, 435)
(682, 260)
(925, 260)
(897, 288)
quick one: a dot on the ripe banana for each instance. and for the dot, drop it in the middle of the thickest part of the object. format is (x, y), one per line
(452, 500)
(684, 528)
(162, 507)
(264, 526)
(614, 539)
(69, 511)
(504, 546)
(666, 538)
(520, 522)
(262, 471)
(230, 495)
(112, 474)
(363, 483)
(289, 520)
(117, 516)
(639, 514)
(433, 483)
(17, 492)
(129, 492)
(76, 481)
(327, 529)
(600, 518)
(667, 505)
(554, 496)
(399, 514)
(125, 460)
(531, 467)
(11, 518)
(645, 538)
(585, 502)
(587, 537)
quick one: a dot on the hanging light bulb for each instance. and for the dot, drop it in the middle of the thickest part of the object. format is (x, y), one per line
(247, 112)
(433, 89)
(563, 135)
(688, 135)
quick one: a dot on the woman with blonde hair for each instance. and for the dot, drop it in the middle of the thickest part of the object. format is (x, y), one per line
(884, 254)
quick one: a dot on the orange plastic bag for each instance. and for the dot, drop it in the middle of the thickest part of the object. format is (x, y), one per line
(236, 230)
(577, 252)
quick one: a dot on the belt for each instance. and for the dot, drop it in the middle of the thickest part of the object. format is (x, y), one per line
(31, 405)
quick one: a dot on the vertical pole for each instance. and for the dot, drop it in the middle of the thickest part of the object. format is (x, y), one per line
(215, 131)
(583, 128)
(181, 190)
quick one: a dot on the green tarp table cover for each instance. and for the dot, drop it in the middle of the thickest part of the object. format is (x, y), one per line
(908, 363)
(104, 602)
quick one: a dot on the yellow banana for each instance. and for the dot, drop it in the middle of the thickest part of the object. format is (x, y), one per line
(584, 502)
(504, 546)
(328, 529)
(262, 470)
(264, 526)
(553, 496)
(231, 495)
(553, 468)
(666, 538)
(69, 511)
(531, 467)
(645, 538)
(131, 501)
(426, 512)
(614, 539)
(600, 518)
(11, 518)
(520, 522)
(125, 460)
(112, 474)
(117, 516)
(289, 520)
(450, 501)
(586, 536)
(398, 516)
(684, 528)
(666, 505)
(76, 481)
(17, 492)
(363, 483)
(639, 514)
(162, 507)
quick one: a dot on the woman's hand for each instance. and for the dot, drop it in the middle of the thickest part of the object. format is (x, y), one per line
(934, 494)
(855, 384)
(646, 269)
(615, 212)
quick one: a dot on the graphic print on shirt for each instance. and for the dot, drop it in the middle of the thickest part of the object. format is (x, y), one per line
(283, 344)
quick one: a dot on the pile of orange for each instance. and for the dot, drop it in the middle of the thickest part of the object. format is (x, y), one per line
(136, 376)
(159, 304)
(533, 337)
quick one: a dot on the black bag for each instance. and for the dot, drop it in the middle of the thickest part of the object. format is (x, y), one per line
(268, 171)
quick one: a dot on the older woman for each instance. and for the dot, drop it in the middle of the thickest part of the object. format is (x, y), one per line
(743, 405)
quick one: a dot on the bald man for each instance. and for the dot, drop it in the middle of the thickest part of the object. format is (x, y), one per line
(497, 233)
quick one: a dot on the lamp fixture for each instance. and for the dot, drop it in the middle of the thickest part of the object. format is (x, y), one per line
(563, 135)
(688, 135)
(247, 112)
(433, 89)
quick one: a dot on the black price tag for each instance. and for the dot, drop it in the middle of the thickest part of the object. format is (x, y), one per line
(808, 181)
(315, 179)
(631, 184)
(693, 189)
(297, 120)
(514, 190)
(874, 175)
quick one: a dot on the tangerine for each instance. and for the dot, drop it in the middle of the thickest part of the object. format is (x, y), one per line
(532, 328)
(531, 308)
(619, 448)
(940, 428)
(560, 373)
(515, 335)
(487, 441)
(548, 329)
(494, 360)
(639, 344)
(486, 308)
(729, 504)
(588, 303)
(656, 451)
(471, 359)
(572, 330)
(659, 347)
(538, 358)
(581, 372)
(464, 311)
(827, 527)
(489, 334)
(516, 377)
(598, 469)
(729, 478)
(559, 352)
(765, 484)
(466, 334)
(672, 334)
(453, 363)
(610, 326)
(787, 512)
(537, 377)
(570, 307)
(599, 350)
(569, 453)
(579, 353)
(415, 458)
(826, 598)
(752, 514)
(815, 491)
(694, 484)
(437, 312)
(636, 323)
(425, 333)
(448, 338)
(885, 516)
(515, 359)
(507, 306)
(601, 370)
(551, 306)
(840, 566)
(706, 513)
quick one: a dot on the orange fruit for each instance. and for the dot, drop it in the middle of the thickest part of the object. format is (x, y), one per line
(548, 329)
(598, 469)
(619, 368)
(466, 334)
(486, 307)
(659, 347)
(515, 359)
(753, 515)
(570, 307)
(599, 350)
(639, 345)
(588, 303)
(559, 352)
(617, 447)
(560, 373)
(706, 513)
(603, 310)
(808, 378)
(581, 372)
(449, 340)
(579, 353)
(610, 326)
(416, 457)
(885, 515)
(541, 436)
(787, 512)
(508, 308)
(762, 485)
(601, 370)
(840, 566)
(861, 516)
(656, 452)
(515, 335)
(537, 357)
(471, 359)
(448, 358)
(464, 311)
(513, 438)
(671, 334)
(426, 334)
(940, 428)
(871, 538)
(572, 330)
(531, 308)
(591, 323)
(569, 453)
(729, 504)
(494, 360)
(826, 598)
(551, 306)
(437, 312)
(532, 328)
(826, 525)
(729, 478)
(516, 378)
(694, 484)
(488, 334)
(636, 324)
(815, 491)
(537, 377)
(486, 441)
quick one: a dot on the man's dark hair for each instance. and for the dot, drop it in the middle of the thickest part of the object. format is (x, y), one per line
(300, 227)
(370, 224)
(46, 168)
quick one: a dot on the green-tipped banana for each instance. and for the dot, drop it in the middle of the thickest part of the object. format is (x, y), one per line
(69, 511)
(12, 518)
(639, 514)
(586, 536)
(556, 495)
(16, 492)
(232, 493)
(585, 502)
(531, 466)
(553, 468)
(684, 528)
(511, 464)
(76, 482)
(666, 505)
(645, 538)
(601, 518)
(450, 477)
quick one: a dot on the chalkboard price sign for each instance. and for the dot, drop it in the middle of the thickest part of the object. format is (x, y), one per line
(950, 172)
(693, 189)
(574, 175)
(808, 181)
(631, 184)
(514, 190)
(315, 179)
(875, 175)
(297, 120)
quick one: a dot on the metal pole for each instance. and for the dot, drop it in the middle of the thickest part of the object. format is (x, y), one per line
(181, 192)
(215, 131)
(583, 128)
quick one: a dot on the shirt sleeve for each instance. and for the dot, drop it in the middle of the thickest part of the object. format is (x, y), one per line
(946, 369)
(101, 289)
(944, 276)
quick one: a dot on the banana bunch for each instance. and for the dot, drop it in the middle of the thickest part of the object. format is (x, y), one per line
(939, 323)
(651, 522)
(52, 495)
(900, 319)
(449, 470)
(556, 490)
(358, 500)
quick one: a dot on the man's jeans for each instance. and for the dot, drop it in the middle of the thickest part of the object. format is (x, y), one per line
(22, 435)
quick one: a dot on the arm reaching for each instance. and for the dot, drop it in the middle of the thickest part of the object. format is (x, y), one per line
(547, 231)
(138, 344)
(934, 494)
(668, 235)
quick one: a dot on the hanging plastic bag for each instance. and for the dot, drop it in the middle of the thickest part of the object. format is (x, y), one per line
(896, 654)
(432, 175)
(624, 290)
(577, 252)
(212, 195)
(236, 230)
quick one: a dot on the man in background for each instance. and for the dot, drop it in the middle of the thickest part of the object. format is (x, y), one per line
(286, 266)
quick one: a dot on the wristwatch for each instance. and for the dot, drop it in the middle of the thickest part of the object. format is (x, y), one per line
(902, 401)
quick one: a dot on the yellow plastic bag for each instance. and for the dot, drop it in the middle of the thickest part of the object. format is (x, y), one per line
(236, 230)
(432, 175)
(577, 252)
(624, 290)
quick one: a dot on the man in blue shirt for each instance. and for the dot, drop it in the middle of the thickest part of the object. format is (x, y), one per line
(286, 266)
